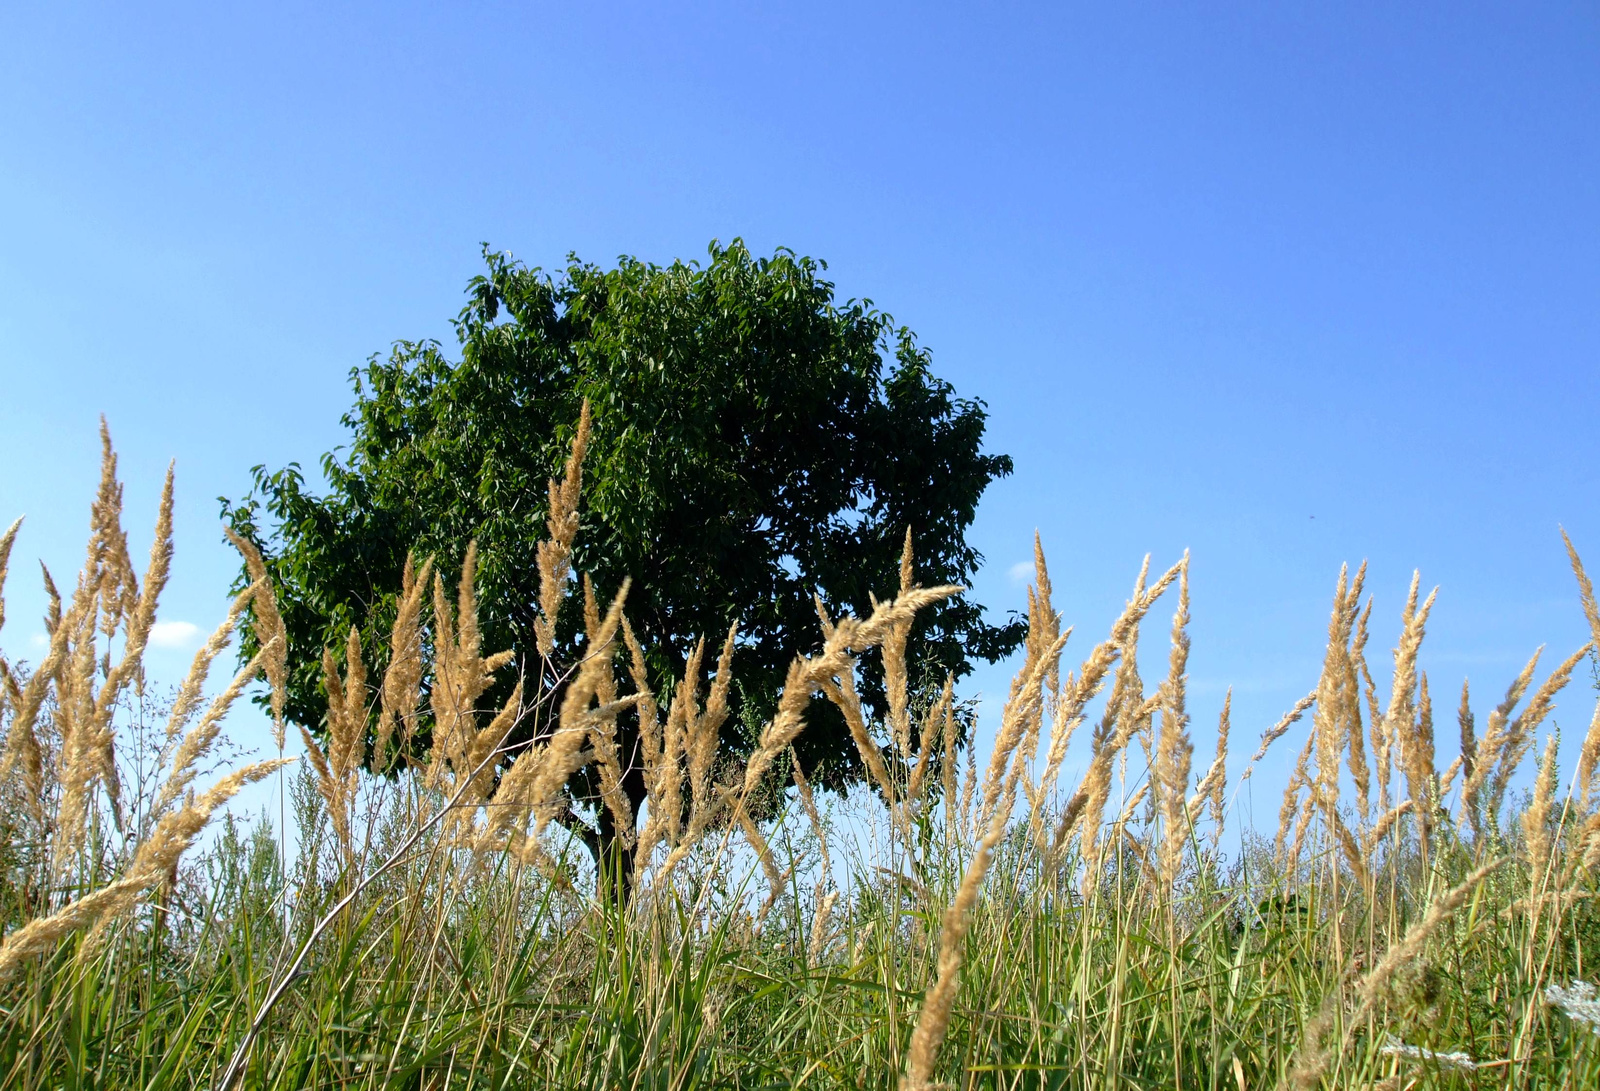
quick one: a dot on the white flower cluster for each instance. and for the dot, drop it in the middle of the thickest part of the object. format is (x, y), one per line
(1396, 1048)
(1578, 1001)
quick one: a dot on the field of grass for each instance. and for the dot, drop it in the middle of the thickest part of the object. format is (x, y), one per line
(969, 920)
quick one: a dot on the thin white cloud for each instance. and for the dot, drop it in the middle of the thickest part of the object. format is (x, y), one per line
(173, 634)
(39, 640)
(1021, 572)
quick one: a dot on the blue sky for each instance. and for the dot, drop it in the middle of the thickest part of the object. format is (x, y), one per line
(1285, 284)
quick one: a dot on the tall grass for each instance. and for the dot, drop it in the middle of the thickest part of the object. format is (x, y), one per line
(958, 922)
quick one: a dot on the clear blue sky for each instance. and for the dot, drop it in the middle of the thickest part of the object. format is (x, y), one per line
(1285, 284)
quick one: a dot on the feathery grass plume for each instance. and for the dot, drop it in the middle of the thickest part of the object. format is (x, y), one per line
(76, 764)
(1424, 761)
(27, 699)
(870, 632)
(459, 766)
(1126, 816)
(1536, 819)
(1591, 611)
(937, 723)
(1108, 738)
(844, 696)
(1315, 1054)
(950, 758)
(10, 690)
(1589, 762)
(268, 623)
(505, 821)
(603, 729)
(1469, 730)
(110, 601)
(1490, 745)
(691, 738)
(822, 616)
(555, 552)
(1124, 715)
(650, 748)
(1044, 626)
(1520, 735)
(1584, 854)
(934, 1019)
(52, 616)
(1385, 823)
(1299, 778)
(1447, 779)
(1503, 745)
(126, 608)
(6, 541)
(191, 691)
(1022, 706)
(109, 566)
(461, 675)
(969, 785)
(1048, 613)
(347, 711)
(337, 766)
(196, 741)
(129, 607)
(563, 755)
(154, 859)
(808, 675)
(824, 898)
(402, 681)
(698, 757)
(1410, 720)
(831, 671)
(1277, 731)
(769, 865)
(1213, 785)
(1382, 740)
(666, 793)
(1174, 751)
(894, 661)
(703, 732)
(1589, 754)
(1350, 695)
(1349, 846)
(1082, 687)
(87, 687)
(1302, 823)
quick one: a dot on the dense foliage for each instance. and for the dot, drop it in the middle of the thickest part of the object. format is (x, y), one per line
(751, 448)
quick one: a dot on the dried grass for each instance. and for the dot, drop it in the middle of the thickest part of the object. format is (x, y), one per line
(555, 552)
(477, 791)
(97, 645)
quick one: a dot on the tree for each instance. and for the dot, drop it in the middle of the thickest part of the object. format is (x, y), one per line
(751, 447)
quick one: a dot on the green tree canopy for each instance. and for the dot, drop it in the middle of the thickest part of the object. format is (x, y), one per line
(754, 442)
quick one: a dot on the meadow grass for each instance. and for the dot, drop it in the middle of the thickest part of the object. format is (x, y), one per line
(962, 920)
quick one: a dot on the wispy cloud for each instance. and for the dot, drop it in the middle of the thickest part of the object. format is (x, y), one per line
(39, 640)
(173, 634)
(1021, 572)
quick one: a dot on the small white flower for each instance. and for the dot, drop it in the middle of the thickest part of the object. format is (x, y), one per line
(1396, 1048)
(1578, 1001)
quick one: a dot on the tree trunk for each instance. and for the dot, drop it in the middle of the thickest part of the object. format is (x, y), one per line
(614, 848)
